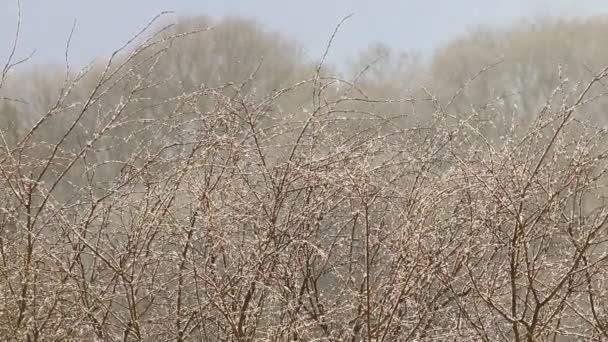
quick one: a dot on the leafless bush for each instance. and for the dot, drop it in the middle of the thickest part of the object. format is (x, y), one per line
(215, 214)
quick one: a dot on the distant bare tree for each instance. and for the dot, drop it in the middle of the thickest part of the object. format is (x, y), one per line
(524, 63)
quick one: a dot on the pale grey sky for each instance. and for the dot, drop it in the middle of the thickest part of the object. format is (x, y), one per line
(103, 25)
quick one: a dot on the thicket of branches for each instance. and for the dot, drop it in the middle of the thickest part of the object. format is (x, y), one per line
(214, 185)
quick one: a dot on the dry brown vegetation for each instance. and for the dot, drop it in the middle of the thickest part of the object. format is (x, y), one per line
(214, 185)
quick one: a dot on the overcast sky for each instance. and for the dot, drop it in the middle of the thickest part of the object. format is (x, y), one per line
(103, 25)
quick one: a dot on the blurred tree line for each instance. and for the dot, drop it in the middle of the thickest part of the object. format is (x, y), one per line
(522, 63)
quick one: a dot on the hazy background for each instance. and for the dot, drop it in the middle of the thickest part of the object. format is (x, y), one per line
(403, 25)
